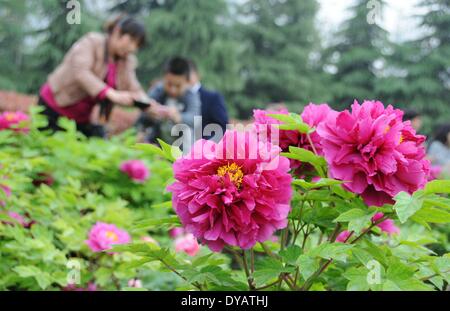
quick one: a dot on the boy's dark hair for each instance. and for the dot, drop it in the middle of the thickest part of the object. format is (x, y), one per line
(128, 26)
(441, 133)
(178, 66)
(411, 114)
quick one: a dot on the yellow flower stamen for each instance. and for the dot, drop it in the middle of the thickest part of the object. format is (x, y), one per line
(234, 173)
(112, 236)
(10, 116)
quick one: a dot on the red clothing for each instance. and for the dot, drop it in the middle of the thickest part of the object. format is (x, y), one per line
(81, 111)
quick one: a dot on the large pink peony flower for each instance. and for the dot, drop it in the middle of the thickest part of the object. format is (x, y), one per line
(136, 170)
(226, 193)
(102, 236)
(187, 243)
(312, 115)
(374, 151)
(14, 120)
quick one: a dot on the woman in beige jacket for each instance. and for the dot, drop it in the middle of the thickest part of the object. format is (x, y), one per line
(99, 67)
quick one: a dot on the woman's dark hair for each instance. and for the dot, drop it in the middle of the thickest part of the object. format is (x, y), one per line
(441, 133)
(127, 26)
(178, 66)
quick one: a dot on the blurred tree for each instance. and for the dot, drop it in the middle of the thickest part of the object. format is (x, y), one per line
(54, 35)
(420, 69)
(12, 36)
(359, 54)
(280, 41)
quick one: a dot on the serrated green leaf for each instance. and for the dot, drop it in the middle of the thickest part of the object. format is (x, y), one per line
(406, 205)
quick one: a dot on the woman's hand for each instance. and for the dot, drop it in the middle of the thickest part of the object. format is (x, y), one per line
(120, 97)
(157, 111)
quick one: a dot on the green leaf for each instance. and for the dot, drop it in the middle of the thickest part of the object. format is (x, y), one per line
(42, 278)
(406, 205)
(400, 277)
(432, 215)
(337, 251)
(171, 153)
(291, 254)
(438, 186)
(307, 265)
(323, 182)
(268, 269)
(151, 223)
(150, 149)
(357, 279)
(291, 121)
(357, 219)
(307, 156)
(26, 271)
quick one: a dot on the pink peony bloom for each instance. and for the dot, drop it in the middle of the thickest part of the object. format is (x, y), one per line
(435, 172)
(91, 287)
(224, 195)
(313, 115)
(149, 239)
(387, 226)
(264, 126)
(19, 218)
(375, 152)
(136, 283)
(102, 236)
(188, 244)
(343, 236)
(14, 120)
(136, 170)
(7, 192)
(176, 232)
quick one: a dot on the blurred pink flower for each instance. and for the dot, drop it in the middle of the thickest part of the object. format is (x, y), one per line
(18, 218)
(374, 152)
(7, 191)
(176, 232)
(91, 287)
(188, 244)
(14, 120)
(136, 283)
(343, 236)
(136, 170)
(21, 220)
(387, 225)
(102, 236)
(223, 196)
(435, 172)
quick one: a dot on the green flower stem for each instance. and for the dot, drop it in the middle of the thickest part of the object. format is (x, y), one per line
(311, 143)
(248, 274)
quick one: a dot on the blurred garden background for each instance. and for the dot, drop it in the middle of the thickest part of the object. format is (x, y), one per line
(258, 52)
